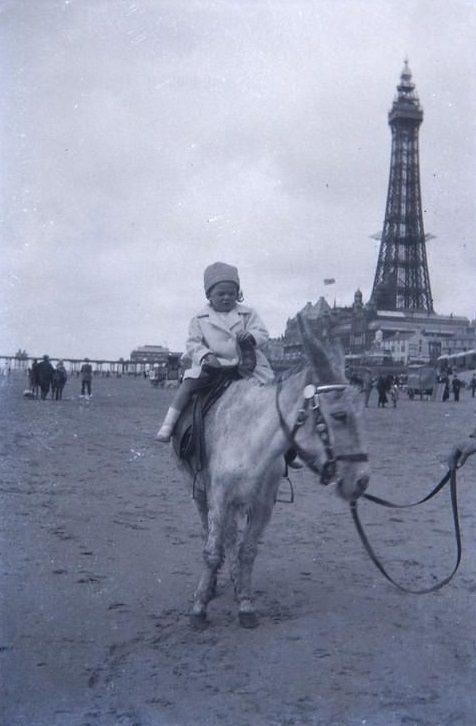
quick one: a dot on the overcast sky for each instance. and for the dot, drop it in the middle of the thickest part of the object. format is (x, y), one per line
(143, 140)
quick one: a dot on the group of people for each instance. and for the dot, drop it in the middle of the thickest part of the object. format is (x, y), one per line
(453, 385)
(387, 388)
(45, 377)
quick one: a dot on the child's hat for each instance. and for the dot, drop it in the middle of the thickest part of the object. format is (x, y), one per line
(220, 272)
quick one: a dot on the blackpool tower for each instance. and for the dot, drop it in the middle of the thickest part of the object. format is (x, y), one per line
(402, 281)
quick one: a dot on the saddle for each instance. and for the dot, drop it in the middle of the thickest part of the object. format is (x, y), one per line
(189, 434)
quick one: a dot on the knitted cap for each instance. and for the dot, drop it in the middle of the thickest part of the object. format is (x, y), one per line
(220, 272)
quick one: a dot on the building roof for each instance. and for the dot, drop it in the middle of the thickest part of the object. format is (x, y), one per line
(151, 349)
(320, 308)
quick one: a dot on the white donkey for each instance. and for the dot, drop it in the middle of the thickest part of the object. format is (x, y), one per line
(247, 434)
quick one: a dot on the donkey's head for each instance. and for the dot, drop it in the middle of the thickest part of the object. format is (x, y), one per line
(336, 428)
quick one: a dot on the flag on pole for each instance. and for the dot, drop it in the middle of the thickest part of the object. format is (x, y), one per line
(329, 281)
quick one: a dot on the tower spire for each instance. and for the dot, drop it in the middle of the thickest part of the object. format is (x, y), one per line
(402, 280)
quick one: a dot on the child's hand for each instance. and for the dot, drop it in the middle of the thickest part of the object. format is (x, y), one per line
(210, 361)
(243, 336)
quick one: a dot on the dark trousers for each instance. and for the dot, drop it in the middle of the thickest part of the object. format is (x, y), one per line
(188, 387)
(45, 387)
(57, 393)
(382, 398)
(86, 387)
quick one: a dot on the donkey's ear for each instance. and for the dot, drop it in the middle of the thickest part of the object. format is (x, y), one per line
(337, 356)
(315, 352)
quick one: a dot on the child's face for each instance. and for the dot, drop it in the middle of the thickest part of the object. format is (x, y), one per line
(223, 296)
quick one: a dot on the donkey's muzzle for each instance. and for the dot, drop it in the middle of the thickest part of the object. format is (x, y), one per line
(362, 484)
(356, 490)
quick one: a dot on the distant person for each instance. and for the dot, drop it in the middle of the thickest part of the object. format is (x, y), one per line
(33, 378)
(58, 381)
(394, 394)
(456, 386)
(44, 371)
(367, 386)
(472, 384)
(446, 390)
(382, 387)
(86, 377)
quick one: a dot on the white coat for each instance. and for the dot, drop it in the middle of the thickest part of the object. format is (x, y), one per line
(213, 332)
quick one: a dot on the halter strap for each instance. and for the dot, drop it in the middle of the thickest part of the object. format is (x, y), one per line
(311, 393)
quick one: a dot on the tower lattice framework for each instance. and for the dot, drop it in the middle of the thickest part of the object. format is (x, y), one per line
(402, 280)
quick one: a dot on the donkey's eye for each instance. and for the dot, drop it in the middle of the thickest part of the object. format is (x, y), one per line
(340, 416)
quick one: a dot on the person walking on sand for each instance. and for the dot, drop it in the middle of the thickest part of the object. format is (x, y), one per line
(58, 381)
(456, 386)
(223, 335)
(367, 386)
(394, 394)
(86, 377)
(472, 385)
(44, 373)
(33, 378)
(382, 388)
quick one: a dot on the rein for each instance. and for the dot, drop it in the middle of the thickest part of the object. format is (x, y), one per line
(327, 472)
(449, 476)
(311, 402)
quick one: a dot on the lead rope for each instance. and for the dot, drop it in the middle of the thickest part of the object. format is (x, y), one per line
(449, 476)
(291, 434)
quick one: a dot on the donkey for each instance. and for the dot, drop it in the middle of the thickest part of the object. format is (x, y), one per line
(247, 434)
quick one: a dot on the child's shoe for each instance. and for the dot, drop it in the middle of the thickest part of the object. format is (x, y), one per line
(165, 432)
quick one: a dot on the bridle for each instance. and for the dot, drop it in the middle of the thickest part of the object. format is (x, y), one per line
(311, 405)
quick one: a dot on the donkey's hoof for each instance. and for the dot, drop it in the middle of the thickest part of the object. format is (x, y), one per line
(198, 621)
(248, 620)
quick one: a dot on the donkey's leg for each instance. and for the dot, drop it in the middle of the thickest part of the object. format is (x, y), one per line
(231, 545)
(202, 507)
(258, 518)
(213, 557)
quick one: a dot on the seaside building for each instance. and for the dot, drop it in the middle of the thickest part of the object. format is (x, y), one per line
(399, 320)
(146, 357)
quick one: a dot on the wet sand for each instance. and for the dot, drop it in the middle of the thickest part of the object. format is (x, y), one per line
(101, 551)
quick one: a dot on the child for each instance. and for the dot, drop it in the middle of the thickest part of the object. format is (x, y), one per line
(224, 334)
(394, 394)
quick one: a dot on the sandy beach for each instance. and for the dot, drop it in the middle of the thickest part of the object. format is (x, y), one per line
(101, 551)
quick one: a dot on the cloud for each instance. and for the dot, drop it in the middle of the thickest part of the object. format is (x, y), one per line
(144, 140)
